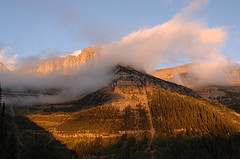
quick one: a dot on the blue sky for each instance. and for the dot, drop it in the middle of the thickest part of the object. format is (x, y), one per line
(57, 27)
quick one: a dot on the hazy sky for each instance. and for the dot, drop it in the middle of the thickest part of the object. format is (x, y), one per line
(58, 27)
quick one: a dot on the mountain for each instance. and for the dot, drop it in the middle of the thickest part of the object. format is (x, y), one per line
(65, 65)
(228, 95)
(140, 116)
(184, 75)
(129, 88)
(3, 67)
(170, 74)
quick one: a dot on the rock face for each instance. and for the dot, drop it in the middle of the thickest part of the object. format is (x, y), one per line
(128, 77)
(179, 74)
(64, 65)
(3, 67)
(168, 74)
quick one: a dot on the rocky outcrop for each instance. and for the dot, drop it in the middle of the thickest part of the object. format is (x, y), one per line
(169, 74)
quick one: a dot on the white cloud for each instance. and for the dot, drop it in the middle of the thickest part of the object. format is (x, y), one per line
(75, 53)
(190, 11)
(179, 38)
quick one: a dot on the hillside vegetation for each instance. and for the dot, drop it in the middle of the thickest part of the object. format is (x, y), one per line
(173, 113)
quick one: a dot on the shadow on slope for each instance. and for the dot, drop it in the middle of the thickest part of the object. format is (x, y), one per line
(24, 139)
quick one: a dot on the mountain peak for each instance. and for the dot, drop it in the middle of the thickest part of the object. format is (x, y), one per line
(128, 76)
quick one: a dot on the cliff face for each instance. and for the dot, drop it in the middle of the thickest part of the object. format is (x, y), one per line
(3, 67)
(64, 65)
(170, 74)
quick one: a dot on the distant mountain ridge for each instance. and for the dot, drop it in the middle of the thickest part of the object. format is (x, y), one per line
(184, 75)
(170, 74)
(228, 95)
(63, 65)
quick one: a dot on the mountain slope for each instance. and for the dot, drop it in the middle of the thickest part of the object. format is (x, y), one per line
(226, 95)
(159, 101)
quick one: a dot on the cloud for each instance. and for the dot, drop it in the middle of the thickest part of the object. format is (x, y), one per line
(75, 53)
(169, 42)
(191, 10)
(181, 38)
